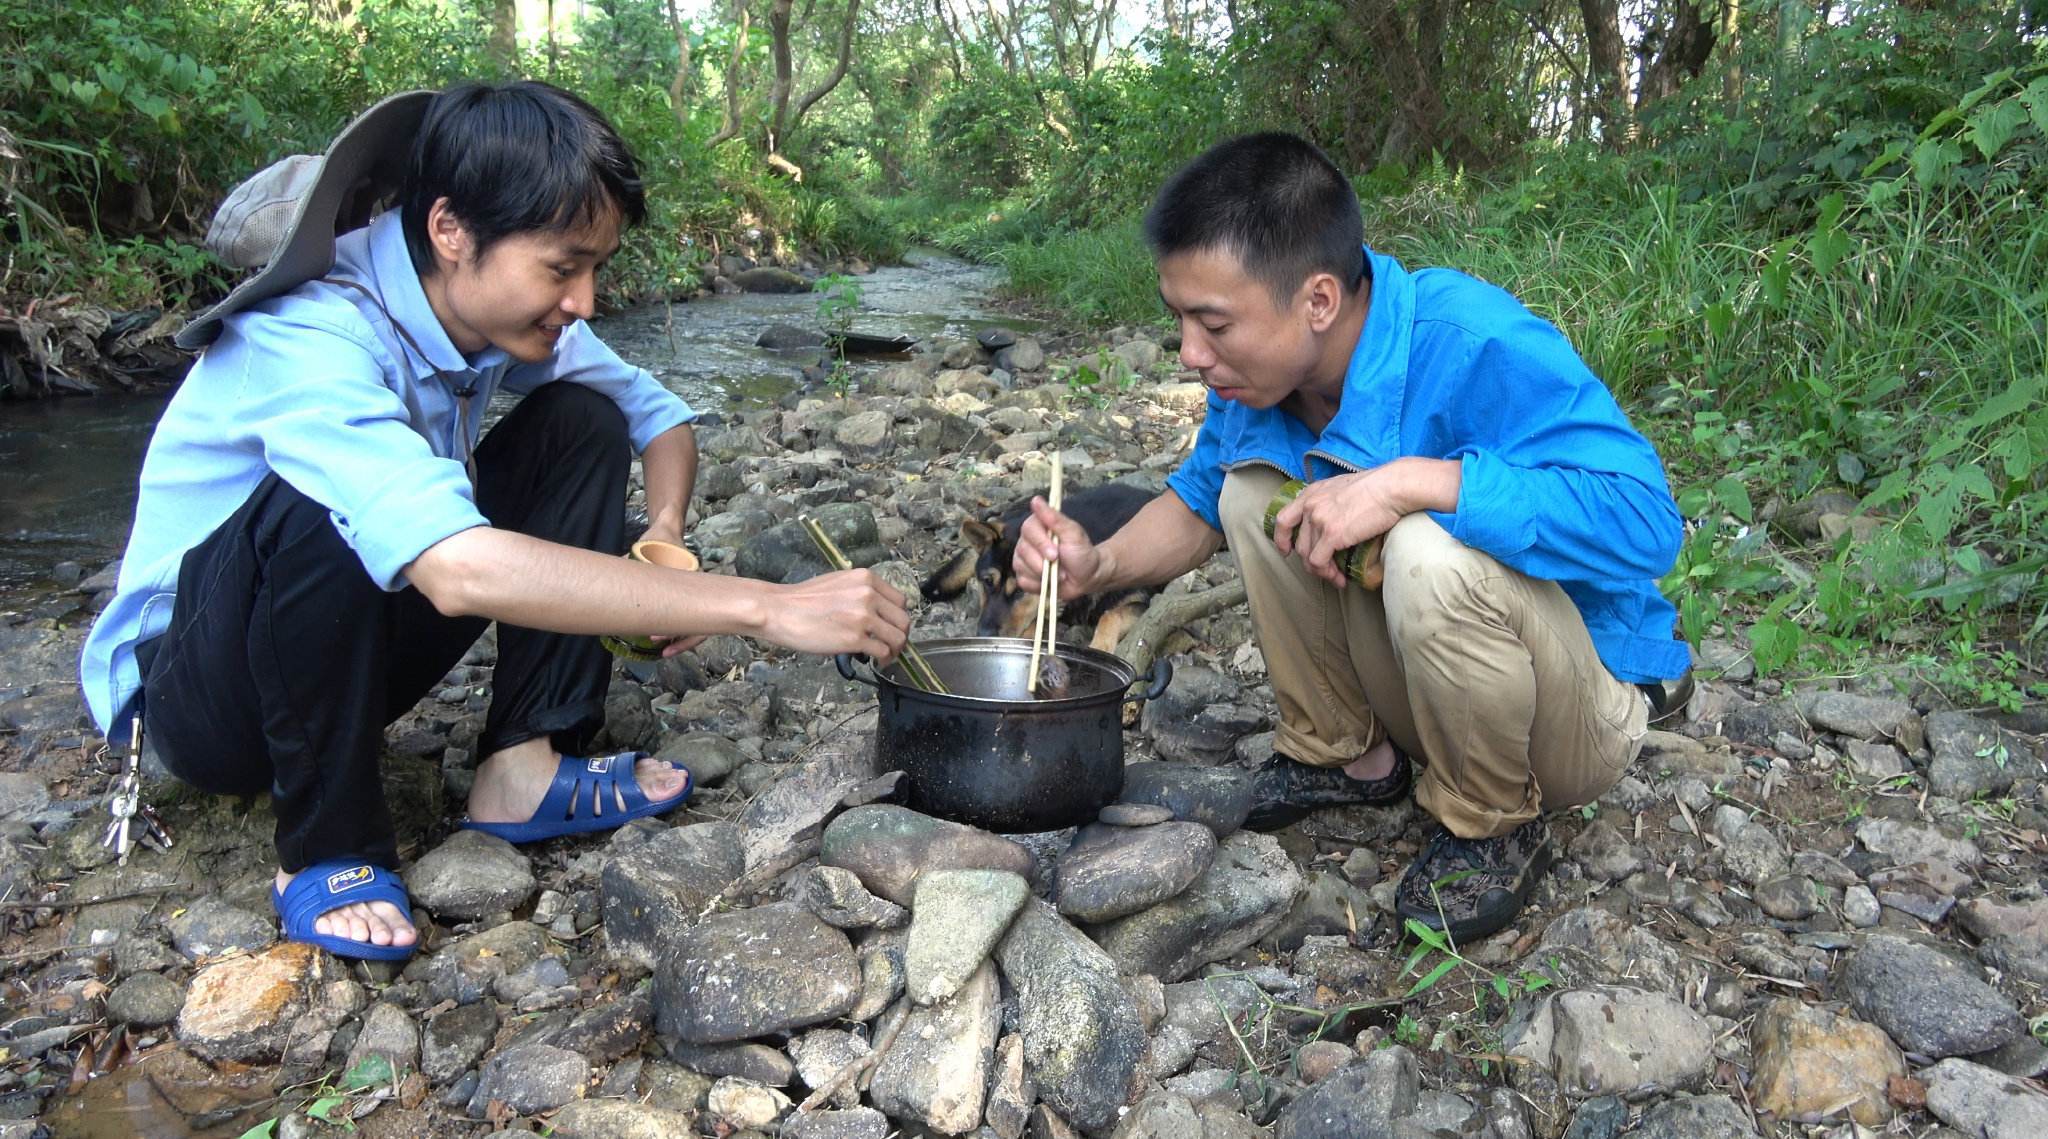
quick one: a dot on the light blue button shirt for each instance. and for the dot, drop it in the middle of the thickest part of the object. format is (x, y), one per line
(318, 387)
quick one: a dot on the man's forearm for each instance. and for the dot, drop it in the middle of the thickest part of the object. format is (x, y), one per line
(670, 466)
(522, 580)
(1164, 541)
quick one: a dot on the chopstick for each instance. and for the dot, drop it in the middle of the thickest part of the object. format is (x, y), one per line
(1046, 622)
(914, 665)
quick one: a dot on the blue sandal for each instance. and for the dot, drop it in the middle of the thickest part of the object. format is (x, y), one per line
(585, 797)
(327, 886)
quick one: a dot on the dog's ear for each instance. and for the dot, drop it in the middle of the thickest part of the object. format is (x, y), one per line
(980, 535)
(952, 579)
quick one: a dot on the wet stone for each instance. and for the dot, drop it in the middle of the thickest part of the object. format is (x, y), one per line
(749, 973)
(1113, 871)
(145, 1000)
(889, 847)
(470, 876)
(755, 1063)
(455, 1039)
(530, 1078)
(1927, 1001)
(210, 927)
(958, 917)
(1245, 891)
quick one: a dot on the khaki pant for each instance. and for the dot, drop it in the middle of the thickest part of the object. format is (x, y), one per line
(1483, 675)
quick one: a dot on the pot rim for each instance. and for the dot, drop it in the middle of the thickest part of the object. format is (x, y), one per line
(898, 681)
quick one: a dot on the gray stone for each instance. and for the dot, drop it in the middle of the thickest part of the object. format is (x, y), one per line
(1876, 760)
(1604, 854)
(936, 1072)
(1330, 905)
(1161, 1115)
(735, 1104)
(1695, 1117)
(882, 973)
(1749, 849)
(1903, 842)
(145, 1000)
(1082, 1037)
(530, 1078)
(663, 884)
(708, 756)
(784, 552)
(889, 847)
(388, 1031)
(1245, 892)
(767, 279)
(1858, 717)
(455, 1039)
(1975, 757)
(1926, 1000)
(1112, 871)
(1360, 1102)
(864, 436)
(1609, 1040)
(749, 973)
(1978, 1101)
(1216, 797)
(470, 876)
(783, 337)
(22, 794)
(1788, 897)
(1601, 1117)
(1133, 815)
(612, 1119)
(1860, 908)
(837, 896)
(856, 1123)
(1024, 356)
(821, 1054)
(1140, 354)
(1199, 718)
(958, 917)
(210, 927)
(754, 1063)
(1011, 1091)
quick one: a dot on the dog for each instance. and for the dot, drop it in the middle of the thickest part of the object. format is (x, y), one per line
(988, 553)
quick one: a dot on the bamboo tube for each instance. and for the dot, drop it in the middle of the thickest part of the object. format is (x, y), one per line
(914, 665)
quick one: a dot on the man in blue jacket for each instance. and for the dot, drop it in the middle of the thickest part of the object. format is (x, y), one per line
(1518, 647)
(324, 527)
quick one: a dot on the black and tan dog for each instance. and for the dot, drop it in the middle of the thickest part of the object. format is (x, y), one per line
(1006, 609)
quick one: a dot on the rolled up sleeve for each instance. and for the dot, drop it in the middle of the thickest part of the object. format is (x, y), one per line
(1199, 480)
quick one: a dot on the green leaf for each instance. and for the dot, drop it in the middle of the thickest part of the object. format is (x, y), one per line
(1774, 642)
(1735, 497)
(1777, 274)
(2018, 396)
(1891, 153)
(1992, 82)
(1427, 936)
(1434, 975)
(2035, 97)
(1830, 213)
(264, 1130)
(1720, 318)
(1826, 250)
(1993, 126)
(322, 1109)
(1850, 467)
(1933, 161)
(372, 1071)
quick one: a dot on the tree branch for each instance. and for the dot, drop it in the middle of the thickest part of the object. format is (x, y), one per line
(826, 85)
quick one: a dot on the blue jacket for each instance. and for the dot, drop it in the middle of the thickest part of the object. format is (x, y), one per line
(1556, 483)
(317, 386)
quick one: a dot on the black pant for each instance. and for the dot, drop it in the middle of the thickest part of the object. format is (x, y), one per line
(284, 662)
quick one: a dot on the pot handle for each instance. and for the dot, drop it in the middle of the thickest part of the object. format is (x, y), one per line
(845, 664)
(1160, 676)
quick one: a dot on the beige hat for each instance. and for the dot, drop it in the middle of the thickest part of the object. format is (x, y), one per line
(286, 217)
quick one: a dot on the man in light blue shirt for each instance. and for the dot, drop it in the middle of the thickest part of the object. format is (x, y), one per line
(324, 529)
(1503, 627)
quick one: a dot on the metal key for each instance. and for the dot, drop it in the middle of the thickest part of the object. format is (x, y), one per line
(158, 836)
(127, 800)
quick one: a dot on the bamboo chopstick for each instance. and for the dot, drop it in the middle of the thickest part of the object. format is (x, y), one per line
(1048, 616)
(914, 665)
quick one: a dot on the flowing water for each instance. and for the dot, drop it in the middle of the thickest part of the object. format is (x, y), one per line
(71, 464)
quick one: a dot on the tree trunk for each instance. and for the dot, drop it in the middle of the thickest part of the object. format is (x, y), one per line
(1425, 123)
(785, 71)
(731, 129)
(1608, 65)
(1792, 16)
(826, 85)
(941, 9)
(1731, 37)
(1681, 54)
(504, 42)
(679, 87)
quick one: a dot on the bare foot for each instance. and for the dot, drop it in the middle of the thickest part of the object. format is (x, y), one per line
(1376, 763)
(376, 923)
(510, 784)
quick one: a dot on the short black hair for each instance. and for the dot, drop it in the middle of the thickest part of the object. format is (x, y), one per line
(516, 158)
(1275, 201)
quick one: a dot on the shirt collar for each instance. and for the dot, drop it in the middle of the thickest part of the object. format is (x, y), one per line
(398, 284)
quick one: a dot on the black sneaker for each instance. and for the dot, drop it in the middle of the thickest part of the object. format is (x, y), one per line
(1668, 698)
(1471, 887)
(1283, 790)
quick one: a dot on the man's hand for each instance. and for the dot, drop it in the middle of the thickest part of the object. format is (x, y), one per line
(852, 611)
(659, 532)
(1331, 515)
(1081, 561)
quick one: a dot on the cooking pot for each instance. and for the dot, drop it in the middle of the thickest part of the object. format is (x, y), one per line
(989, 754)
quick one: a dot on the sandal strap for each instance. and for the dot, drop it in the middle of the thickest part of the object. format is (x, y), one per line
(327, 886)
(593, 788)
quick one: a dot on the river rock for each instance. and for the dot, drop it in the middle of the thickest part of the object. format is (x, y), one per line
(1133, 815)
(958, 917)
(661, 885)
(1199, 718)
(1112, 871)
(753, 972)
(1360, 1102)
(753, 1062)
(145, 1000)
(936, 1072)
(708, 756)
(734, 1104)
(1974, 757)
(883, 977)
(784, 552)
(470, 968)
(1695, 1117)
(470, 876)
(455, 1039)
(1026, 355)
(1011, 1091)
(1604, 854)
(1329, 905)
(1978, 1101)
(1751, 852)
(1926, 1000)
(864, 436)
(784, 337)
(1607, 1040)
(1161, 1115)
(1245, 892)
(890, 847)
(242, 1008)
(1903, 842)
(529, 1078)
(612, 1119)
(1082, 1037)
(389, 1032)
(767, 279)
(836, 896)
(1855, 716)
(1810, 1062)
(22, 794)
(1217, 797)
(210, 927)
(822, 1054)
(857, 1123)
